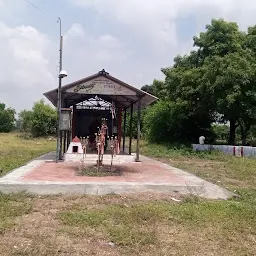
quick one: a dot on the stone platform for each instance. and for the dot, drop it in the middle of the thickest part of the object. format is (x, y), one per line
(44, 176)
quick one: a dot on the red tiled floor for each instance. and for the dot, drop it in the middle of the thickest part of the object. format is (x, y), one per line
(148, 171)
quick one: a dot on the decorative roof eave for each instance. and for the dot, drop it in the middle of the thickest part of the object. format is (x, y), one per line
(146, 98)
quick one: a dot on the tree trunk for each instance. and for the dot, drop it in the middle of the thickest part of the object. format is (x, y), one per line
(244, 134)
(232, 133)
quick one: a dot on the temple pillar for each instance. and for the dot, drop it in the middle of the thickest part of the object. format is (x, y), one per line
(124, 129)
(119, 125)
(73, 121)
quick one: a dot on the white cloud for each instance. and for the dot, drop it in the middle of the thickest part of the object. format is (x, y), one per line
(150, 19)
(89, 53)
(147, 37)
(10, 7)
(154, 25)
(157, 19)
(24, 67)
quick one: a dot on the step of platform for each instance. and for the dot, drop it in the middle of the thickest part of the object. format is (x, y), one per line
(92, 158)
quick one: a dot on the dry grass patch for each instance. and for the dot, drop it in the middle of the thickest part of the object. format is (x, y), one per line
(146, 224)
(194, 227)
(12, 206)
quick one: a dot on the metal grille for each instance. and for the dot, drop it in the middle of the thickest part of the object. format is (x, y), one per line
(94, 103)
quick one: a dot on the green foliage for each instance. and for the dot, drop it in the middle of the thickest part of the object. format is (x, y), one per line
(44, 119)
(157, 88)
(252, 136)
(134, 123)
(229, 73)
(221, 38)
(173, 122)
(221, 132)
(25, 120)
(217, 79)
(39, 121)
(7, 118)
(231, 79)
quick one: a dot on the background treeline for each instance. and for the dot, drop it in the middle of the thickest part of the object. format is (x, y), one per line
(40, 121)
(211, 91)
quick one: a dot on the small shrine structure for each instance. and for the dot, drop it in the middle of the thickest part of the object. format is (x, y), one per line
(93, 99)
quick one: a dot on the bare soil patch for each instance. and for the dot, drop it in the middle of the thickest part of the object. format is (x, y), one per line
(102, 171)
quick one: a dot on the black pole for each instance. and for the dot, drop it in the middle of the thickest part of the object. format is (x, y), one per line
(138, 132)
(65, 142)
(59, 142)
(58, 156)
(124, 129)
(112, 120)
(130, 142)
(61, 145)
(69, 138)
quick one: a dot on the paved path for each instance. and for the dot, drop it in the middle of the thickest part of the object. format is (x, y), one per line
(44, 176)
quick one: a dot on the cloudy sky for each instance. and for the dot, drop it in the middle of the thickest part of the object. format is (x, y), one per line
(131, 39)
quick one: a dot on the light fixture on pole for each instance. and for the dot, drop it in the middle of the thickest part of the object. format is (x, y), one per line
(62, 74)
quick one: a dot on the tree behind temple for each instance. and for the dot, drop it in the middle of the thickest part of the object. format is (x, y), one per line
(7, 118)
(44, 119)
(25, 120)
(218, 78)
(39, 121)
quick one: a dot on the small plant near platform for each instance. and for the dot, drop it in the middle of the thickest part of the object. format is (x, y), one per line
(104, 171)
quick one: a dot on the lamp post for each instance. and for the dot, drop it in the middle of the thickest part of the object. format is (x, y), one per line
(62, 74)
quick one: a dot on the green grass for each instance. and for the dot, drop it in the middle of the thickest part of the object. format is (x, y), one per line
(16, 150)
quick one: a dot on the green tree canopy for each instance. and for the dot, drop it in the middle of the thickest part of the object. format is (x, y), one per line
(44, 119)
(25, 120)
(168, 121)
(7, 118)
(157, 88)
(216, 79)
(40, 121)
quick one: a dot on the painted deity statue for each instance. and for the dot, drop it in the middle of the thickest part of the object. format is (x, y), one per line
(102, 136)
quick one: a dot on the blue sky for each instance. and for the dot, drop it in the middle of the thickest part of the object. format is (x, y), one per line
(131, 39)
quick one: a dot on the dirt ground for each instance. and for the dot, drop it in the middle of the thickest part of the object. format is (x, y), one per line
(42, 231)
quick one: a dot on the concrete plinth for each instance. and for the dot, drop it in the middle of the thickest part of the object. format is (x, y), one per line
(92, 158)
(45, 176)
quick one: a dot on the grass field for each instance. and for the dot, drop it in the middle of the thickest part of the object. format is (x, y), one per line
(16, 150)
(139, 224)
